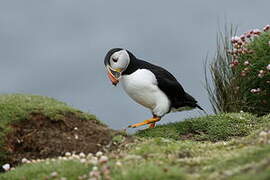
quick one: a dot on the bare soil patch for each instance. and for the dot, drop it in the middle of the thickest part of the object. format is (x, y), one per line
(41, 137)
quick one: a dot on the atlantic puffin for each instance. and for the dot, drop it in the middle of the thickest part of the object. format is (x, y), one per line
(149, 85)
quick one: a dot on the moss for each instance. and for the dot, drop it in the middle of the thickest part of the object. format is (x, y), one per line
(208, 128)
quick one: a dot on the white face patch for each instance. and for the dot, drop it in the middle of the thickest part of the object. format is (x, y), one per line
(119, 60)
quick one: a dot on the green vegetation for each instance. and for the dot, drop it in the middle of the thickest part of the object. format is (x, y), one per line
(219, 85)
(70, 169)
(147, 170)
(251, 75)
(208, 128)
(17, 107)
(234, 146)
(240, 73)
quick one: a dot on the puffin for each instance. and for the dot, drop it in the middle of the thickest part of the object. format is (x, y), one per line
(149, 85)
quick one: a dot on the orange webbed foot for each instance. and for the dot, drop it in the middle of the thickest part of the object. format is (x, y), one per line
(151, 121)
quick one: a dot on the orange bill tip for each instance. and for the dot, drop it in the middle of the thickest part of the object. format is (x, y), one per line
(113, 79)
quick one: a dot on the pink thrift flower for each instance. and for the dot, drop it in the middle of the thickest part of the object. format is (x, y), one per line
(235, 39)
(232, 65)
(261, 71)
(260, 75)
(246, 69)
(257, 31)
(235, 62)
(243, 73)
(246, 63)
(243, 37)
(248, 34)
(268, 67)
(266, 28)
(253, 90)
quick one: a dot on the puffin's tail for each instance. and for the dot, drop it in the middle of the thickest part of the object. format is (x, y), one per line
(199, 107)
(190, 101)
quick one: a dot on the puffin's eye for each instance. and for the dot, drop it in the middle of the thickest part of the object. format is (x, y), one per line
(115, 59)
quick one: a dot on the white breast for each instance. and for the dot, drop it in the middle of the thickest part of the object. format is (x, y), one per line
(142, 87)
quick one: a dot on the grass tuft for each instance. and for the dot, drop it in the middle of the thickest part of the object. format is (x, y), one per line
(219, 89)
(208, 128)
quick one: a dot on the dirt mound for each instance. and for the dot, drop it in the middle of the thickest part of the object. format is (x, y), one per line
(42, 137)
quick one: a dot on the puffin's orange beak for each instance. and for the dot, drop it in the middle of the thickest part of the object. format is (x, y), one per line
(114, 75)
(113, 79)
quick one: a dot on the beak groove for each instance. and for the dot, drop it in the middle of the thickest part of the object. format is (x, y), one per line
(114, 75)
(113, 79)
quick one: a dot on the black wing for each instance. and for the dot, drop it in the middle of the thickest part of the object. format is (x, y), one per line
(171, 87)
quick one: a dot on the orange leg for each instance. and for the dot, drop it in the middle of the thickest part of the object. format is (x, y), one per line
(151, 121)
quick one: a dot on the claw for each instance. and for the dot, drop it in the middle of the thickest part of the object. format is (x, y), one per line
(152, 125)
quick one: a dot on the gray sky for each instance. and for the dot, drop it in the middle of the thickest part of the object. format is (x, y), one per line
(56, 47)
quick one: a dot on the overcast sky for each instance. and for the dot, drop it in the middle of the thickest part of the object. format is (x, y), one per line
(56, 47)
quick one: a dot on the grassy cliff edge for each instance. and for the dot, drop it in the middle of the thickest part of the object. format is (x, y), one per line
(36, 127)
(223, 146)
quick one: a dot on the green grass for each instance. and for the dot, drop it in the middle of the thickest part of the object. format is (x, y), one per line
(220, 83)
(238, 157)
(18, 107)
(70, 169)
(147, 171)
(208, 128)
(244, 155)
